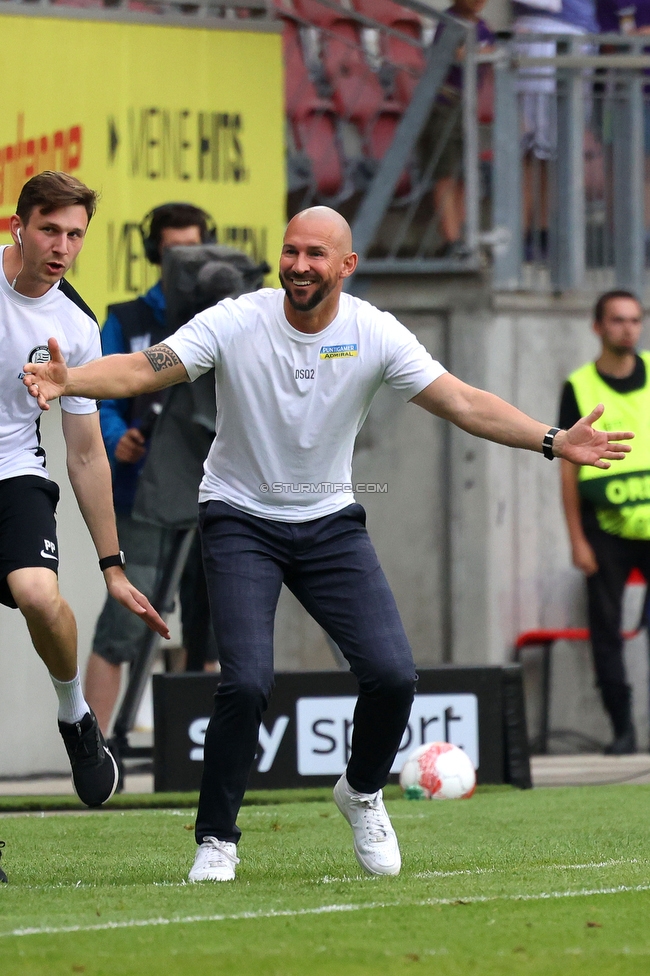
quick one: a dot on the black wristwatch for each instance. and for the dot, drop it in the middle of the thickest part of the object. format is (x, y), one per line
(547, 443)
(108, 561)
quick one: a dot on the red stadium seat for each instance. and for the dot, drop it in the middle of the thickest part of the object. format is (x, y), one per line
(380, 137)
(407, 59)
(312, 118)
(315, 134)
(546, 639)
(300, 94)
(356, 90)
(357, 93)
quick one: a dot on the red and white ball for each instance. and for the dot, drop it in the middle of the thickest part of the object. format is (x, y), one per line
(438, 771)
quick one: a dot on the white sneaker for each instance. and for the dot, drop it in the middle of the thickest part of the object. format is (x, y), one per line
(215, 861)
(375, 842)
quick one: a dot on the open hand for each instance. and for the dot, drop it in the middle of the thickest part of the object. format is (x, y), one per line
(581, 444)
(126, 594)
(46, 381)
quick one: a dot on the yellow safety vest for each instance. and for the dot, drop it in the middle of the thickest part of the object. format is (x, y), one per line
(620, 494)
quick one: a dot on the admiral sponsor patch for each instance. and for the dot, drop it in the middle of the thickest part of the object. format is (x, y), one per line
(339, 352)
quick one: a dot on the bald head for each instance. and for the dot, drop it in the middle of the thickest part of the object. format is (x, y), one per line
(323, 223)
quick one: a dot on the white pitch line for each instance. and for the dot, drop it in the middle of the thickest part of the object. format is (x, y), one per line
(594, 866)
(324, 910)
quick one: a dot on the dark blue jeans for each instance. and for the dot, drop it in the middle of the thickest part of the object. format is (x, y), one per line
(330, 565)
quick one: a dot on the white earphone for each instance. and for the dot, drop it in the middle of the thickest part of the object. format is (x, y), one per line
(22, 257)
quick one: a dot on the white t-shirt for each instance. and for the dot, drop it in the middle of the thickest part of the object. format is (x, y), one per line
(25, 326)
(289, 405)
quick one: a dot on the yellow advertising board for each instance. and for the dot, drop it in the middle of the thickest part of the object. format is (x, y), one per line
(145, 115)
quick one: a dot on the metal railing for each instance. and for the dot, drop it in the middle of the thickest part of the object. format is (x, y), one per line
(563, 210)
(594, 175)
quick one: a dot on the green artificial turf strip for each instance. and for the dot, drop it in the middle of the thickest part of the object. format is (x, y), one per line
(482, 891)
(162, 801)
(153, 801)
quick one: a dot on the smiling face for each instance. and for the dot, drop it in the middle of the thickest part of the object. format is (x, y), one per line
(316, 258)
(50, 243)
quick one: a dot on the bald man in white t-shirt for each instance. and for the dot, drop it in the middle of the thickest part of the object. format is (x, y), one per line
(296, 372)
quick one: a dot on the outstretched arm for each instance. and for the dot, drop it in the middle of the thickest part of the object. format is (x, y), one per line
(486, 415)
(112, 377)
(90, 477)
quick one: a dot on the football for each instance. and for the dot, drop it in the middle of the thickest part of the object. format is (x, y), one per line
(438, 771)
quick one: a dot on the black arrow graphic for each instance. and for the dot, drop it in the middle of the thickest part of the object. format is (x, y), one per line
(113, 139)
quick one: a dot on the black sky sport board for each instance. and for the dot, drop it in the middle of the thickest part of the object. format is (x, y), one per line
(306, 731)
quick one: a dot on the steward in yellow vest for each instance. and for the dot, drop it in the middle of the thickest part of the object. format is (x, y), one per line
(621, 499)
(608, 510)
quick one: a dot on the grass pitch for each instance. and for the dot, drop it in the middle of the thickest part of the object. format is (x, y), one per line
(538, 882)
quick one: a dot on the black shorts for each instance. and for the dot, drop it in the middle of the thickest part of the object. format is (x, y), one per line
(27, 528)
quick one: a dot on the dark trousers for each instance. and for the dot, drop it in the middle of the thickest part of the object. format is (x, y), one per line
(616, 558)
(330, 565)
(198, 639)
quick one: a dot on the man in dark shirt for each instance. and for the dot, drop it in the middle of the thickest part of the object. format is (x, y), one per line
(608, 517)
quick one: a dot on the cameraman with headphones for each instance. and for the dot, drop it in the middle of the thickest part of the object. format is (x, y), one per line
(126, 426)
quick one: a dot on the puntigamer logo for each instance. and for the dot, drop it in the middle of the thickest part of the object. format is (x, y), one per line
(339, 352)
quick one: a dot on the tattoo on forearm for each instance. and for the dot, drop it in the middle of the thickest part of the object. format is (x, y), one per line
(161, 357)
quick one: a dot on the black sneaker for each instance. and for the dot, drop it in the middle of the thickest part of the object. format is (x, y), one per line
(94, 771)
(3, 876)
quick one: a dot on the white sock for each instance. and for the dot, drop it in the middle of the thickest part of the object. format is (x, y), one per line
(72, 704)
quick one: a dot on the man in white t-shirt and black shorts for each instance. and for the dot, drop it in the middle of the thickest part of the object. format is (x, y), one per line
(48, 230)
(296, 372)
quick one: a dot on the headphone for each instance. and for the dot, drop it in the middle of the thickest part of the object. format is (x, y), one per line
(151, 243)
(22, 257)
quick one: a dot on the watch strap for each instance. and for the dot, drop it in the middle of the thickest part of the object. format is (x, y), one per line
(117, 560)
(547, 443)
